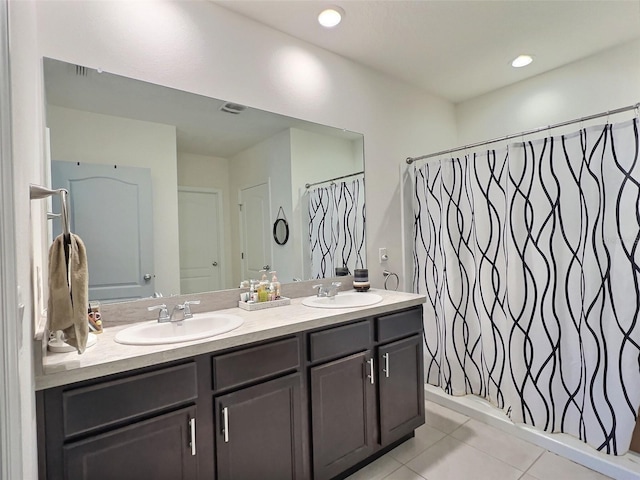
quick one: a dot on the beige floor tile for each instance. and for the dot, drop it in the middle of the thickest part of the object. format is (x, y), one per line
(526, 476)
(498, 444)
(425, 436)
(550, 465)
(377, 470)
(403, 473)
(442, 418)
(450, 459)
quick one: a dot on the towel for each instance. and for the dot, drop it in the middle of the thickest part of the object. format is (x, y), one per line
(69, 291)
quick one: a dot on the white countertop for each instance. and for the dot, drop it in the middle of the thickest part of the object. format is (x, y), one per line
(108, 357)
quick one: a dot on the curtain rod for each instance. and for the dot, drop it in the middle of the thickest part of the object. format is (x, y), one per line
(332, 179)
(410, 160)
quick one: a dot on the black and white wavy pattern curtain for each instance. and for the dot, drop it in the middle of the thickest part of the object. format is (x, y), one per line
(529, 257)
(336, 227)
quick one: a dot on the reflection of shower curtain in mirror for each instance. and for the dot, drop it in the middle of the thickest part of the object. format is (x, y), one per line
(336, 227)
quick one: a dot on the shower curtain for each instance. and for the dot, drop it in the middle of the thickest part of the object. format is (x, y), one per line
(529, 258)
(336, 227)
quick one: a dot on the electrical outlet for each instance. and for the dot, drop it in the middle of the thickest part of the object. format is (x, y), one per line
(382, 255)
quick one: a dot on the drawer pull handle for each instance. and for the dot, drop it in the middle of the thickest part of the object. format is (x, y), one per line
(225, 424)
(371, 371)
(386, 364)
(192, 430)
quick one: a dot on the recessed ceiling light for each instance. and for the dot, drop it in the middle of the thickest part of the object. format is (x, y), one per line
(330, 17)
(522, 61)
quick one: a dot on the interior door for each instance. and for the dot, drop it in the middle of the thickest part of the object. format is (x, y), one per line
(200, 259)
(255, 226)
(111, 210)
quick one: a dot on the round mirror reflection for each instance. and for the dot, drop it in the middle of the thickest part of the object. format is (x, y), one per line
(281, 231)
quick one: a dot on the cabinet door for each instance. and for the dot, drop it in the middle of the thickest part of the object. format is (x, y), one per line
(343, 414)
(258, 435)
(401, 387)
(158, 449)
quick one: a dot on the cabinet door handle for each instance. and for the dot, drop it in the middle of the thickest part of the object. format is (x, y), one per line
(386, 364)
(371, 371)
(225, 424)
(192, 430)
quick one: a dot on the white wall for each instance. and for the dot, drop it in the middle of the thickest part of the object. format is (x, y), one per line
(596, 84)
(202, 48)
(28, 156)
(78, 136)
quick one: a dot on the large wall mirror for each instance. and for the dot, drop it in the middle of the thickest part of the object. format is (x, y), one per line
(178, 193)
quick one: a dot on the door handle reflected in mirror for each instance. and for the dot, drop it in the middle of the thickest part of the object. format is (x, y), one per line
(215, 264)
(147, 276)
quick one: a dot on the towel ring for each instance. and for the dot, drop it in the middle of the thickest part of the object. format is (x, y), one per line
(387, 274)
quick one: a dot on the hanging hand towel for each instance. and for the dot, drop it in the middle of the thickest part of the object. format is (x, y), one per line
(69, 291)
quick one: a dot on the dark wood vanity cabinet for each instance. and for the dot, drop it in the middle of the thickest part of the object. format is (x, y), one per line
(158, 448)
(124, 427)
(314, 405)
(400, 387)
(259, 431)
(259, 423)
(343, 414)
(363, 402)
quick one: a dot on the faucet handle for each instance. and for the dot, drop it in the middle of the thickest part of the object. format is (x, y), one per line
(336, 284)
(163, 314)
(187, 308)
(321, 290)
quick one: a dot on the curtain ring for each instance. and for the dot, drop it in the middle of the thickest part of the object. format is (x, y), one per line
(387, 274)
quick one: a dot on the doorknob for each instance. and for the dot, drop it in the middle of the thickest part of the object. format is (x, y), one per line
(147, 276)
(215, 264)
(267, 267)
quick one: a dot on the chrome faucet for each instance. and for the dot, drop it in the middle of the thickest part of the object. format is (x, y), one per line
(329, 291)
(181, 309)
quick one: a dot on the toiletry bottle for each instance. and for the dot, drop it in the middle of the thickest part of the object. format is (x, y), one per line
(276, 285)
(263, 294)
(253, 295)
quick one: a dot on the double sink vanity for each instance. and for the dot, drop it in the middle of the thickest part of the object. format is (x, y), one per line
(311, 390)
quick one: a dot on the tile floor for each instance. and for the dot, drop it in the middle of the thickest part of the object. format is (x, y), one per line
(452, 446)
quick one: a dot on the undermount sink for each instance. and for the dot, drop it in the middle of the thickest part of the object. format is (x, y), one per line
(343, 300)
(202, 325)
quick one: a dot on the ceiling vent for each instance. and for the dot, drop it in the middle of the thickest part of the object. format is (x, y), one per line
(234, 108)
(82, 71)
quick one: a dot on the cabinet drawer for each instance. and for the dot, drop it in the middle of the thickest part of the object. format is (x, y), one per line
(339, 341)
(110, 403)
(399, 324)
(255, 363)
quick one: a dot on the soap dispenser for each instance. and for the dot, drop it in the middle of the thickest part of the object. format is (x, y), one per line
(263, 286)
(275, 285)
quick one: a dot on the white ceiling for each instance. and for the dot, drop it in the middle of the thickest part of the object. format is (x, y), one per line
(455, 49)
